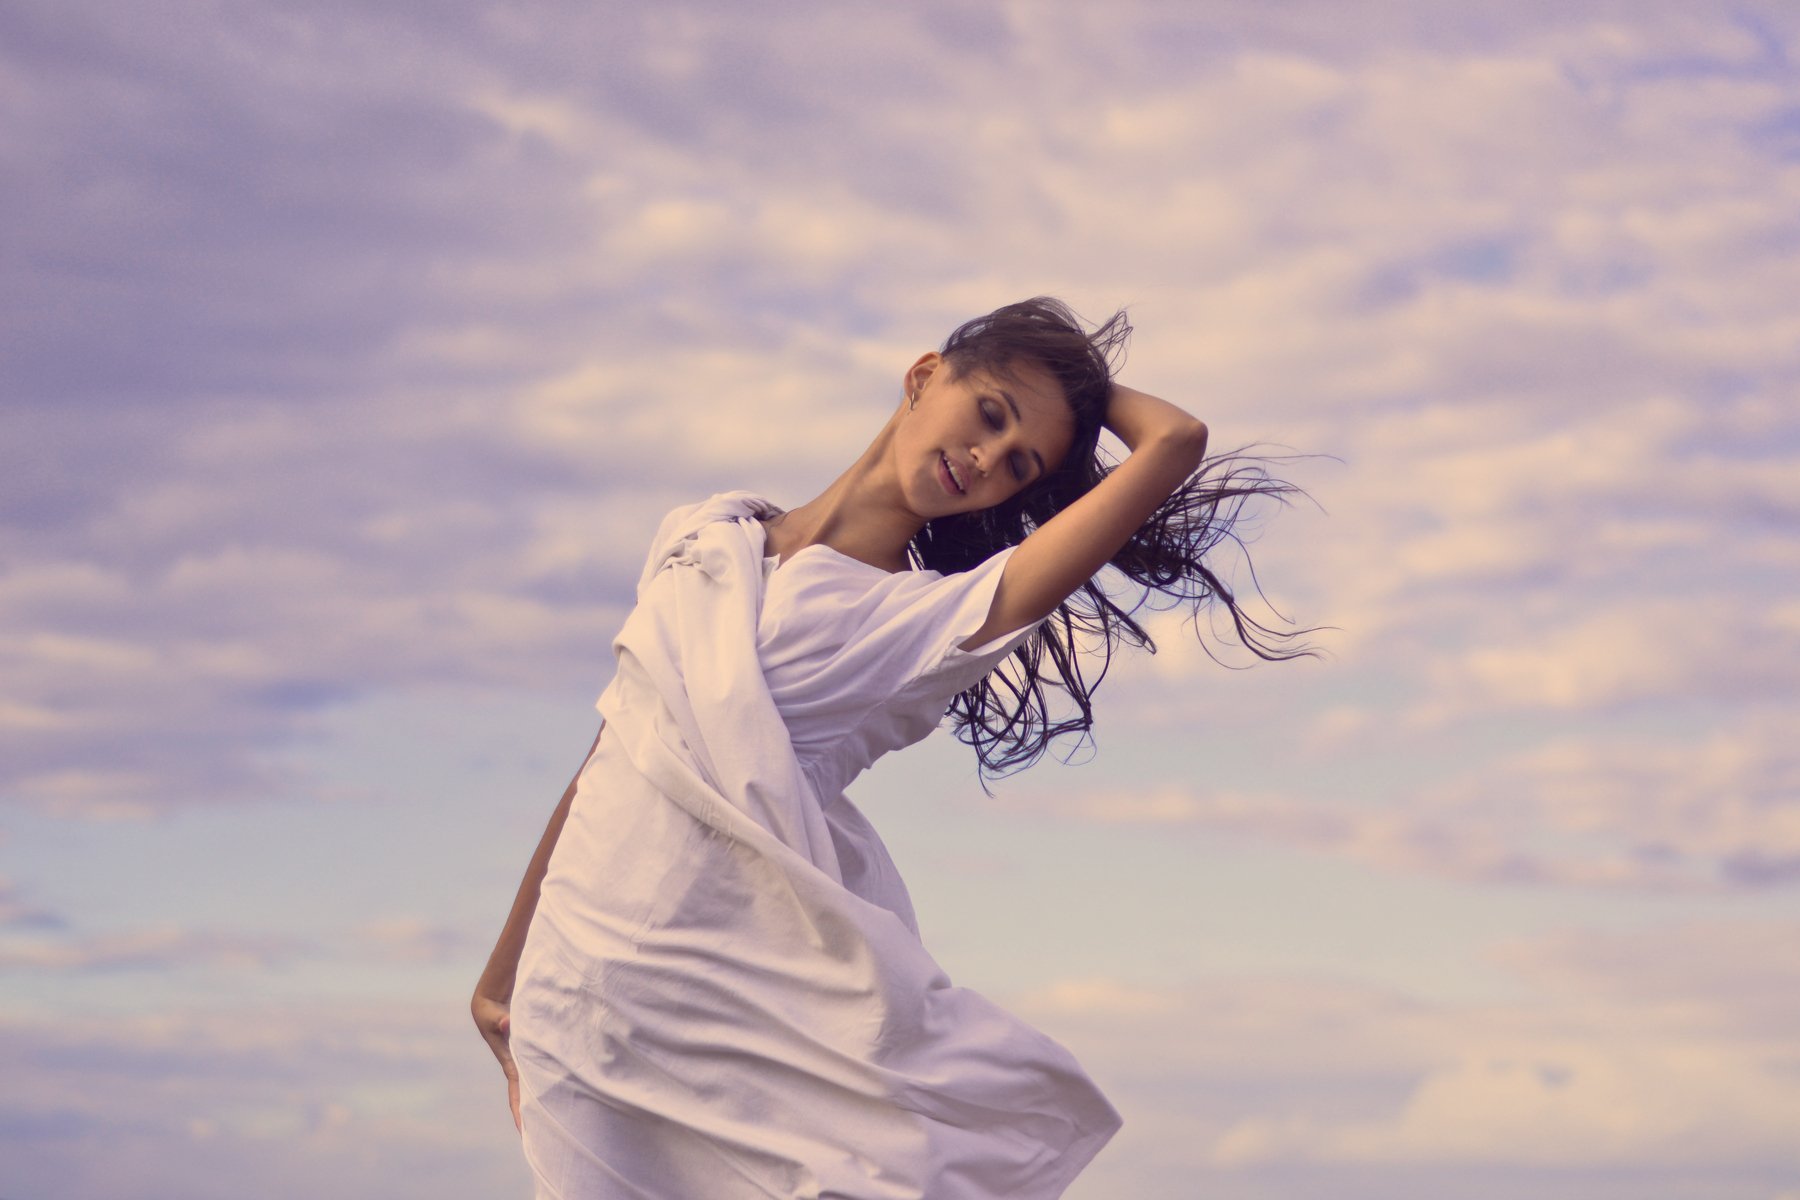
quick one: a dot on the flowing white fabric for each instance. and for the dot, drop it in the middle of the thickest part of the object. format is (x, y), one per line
(723, 992)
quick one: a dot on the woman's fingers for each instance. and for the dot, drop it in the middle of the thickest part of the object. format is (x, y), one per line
(494, 1019)
(511, 1070)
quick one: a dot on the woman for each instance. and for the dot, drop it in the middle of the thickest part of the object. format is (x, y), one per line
(712, 978)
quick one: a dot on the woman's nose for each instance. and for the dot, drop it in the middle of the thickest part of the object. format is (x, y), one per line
(991, 450)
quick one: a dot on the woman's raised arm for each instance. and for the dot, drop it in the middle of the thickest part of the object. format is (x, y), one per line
(1166, 446)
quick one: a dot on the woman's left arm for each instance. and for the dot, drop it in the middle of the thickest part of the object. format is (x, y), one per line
(1166, 445)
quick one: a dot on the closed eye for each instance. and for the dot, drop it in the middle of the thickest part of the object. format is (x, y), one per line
(997, 419)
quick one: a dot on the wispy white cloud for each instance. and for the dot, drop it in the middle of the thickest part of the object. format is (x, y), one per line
(1705, 976)
(406, 939)
(18, 912)
(1680, 813)
(162, 948)
(1618, 1055)
(304, 1100)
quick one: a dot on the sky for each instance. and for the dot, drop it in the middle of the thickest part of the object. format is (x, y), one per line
(351, 352)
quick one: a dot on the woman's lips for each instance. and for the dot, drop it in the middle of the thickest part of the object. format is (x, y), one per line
(945, 476)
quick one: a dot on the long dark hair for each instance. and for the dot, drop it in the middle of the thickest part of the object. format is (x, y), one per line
(1008, 717)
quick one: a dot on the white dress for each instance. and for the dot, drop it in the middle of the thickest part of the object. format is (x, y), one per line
(723, 993)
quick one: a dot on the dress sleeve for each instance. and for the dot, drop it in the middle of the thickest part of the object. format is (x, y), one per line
(959, 605)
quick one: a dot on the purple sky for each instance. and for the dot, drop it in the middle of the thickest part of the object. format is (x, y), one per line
(350, 352)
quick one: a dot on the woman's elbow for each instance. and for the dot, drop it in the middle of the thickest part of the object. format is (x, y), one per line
(1188, 440)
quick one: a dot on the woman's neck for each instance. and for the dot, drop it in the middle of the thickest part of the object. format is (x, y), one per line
(859, 515)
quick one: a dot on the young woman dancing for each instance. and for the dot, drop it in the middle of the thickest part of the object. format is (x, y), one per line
(711, 985)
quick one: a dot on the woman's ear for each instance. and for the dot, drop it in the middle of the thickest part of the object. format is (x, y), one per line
(919, 374)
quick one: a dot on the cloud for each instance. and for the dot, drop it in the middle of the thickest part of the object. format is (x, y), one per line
(1705, 809)
(48, 943)
(160, 948)
(1560, 1106)
(1626, 1049)
(1638, 652)
(17, 912)
(1720, 976)
(400, 364)
(307, 1100)
(414, 940)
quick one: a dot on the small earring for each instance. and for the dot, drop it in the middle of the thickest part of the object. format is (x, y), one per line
(912, 402)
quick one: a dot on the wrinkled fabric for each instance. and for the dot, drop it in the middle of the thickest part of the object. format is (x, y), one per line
(723, 992)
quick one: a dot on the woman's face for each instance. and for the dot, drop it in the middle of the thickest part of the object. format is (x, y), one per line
(978, 438)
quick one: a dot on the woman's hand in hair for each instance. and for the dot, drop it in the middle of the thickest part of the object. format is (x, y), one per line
(1138, 417)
